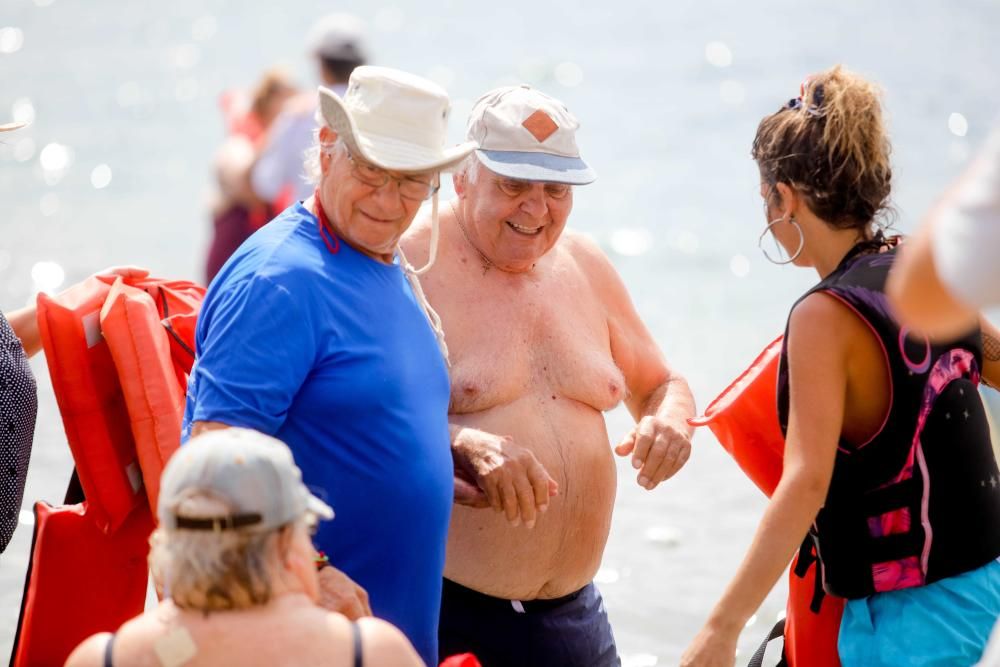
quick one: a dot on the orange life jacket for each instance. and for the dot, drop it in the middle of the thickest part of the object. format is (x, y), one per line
(118, 351)
(80, 581)
(744, 418)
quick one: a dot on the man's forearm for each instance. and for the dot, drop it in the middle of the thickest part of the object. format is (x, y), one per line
(672, 401)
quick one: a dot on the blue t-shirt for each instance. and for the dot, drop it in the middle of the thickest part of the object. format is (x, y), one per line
(332, 353)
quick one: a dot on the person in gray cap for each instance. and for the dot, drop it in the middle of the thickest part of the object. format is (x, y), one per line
(337, 43)
(316, 331)
(233, 557)
(543, 339)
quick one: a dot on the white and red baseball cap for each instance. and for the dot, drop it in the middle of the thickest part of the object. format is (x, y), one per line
(525, 134)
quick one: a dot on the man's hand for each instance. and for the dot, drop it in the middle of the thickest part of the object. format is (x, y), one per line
(339, 593)
(492, 471)
(658, 450)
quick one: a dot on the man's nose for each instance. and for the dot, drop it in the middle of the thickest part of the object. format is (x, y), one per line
(388, 199)
(535, 204)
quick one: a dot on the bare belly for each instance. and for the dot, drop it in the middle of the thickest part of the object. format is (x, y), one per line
(563, 551)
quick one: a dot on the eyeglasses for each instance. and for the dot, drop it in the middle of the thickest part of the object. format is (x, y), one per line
(515, 188)
(409, 187)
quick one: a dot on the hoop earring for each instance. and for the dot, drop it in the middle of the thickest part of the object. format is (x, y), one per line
(802, 241)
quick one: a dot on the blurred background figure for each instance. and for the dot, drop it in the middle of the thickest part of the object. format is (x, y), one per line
(337, 42)
(237, 212)
(233, 556)
(950, 269)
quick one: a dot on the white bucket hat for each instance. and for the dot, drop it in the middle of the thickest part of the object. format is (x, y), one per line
(525, 134)
(394, 120)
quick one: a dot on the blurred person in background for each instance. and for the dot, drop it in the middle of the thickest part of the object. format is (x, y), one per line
(544, 339)
(338, 44)
(951, 267)
(237, 212)
(888, 467)
(234, 558)
(316, 331)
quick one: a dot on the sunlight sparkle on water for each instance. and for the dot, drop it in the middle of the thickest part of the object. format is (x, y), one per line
(24, 149)
(55, 157)
(100, 177)
(631, 242)
(22, 110)
(11, 39)
(607, 575)
(718, 54)
(739, 265)
(958, 125)
(665, 535)
(47, 276)
(183, 56)
(569, 74)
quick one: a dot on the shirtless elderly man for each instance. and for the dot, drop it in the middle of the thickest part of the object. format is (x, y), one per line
(543, 340)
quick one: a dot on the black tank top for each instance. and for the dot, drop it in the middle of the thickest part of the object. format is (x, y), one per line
(920, 501)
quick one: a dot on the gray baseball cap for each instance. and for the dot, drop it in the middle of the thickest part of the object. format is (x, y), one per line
(254, 474)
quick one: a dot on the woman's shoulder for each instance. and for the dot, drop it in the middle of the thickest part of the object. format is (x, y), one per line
(383, 644)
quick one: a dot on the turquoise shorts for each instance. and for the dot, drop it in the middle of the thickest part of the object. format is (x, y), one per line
(946, 623)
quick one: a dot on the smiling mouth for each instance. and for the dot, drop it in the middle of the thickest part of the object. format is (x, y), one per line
(527, 231)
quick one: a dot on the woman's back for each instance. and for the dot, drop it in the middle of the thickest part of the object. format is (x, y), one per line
(290, 630)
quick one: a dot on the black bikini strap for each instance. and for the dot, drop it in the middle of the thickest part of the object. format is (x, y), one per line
(108, 648)
(356, 633)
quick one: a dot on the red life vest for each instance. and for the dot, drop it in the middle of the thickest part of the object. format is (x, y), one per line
(744, 418)
(80, 581)
(118, 351)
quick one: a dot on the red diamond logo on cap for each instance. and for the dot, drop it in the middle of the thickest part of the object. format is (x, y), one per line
(540, 124)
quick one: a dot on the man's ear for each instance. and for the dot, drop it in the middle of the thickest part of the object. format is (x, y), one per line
(327, 135)
(458, 180)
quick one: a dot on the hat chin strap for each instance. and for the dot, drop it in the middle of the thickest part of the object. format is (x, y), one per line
(413, 275)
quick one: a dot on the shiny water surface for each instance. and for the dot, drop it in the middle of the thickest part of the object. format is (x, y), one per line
(115, 169)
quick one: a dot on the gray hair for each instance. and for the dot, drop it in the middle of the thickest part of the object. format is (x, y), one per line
(214, 571)
(310, 159)
(469, 168)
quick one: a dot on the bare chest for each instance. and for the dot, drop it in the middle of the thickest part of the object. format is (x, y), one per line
(544, 340)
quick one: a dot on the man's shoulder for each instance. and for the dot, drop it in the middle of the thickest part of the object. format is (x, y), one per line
(582, 249)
